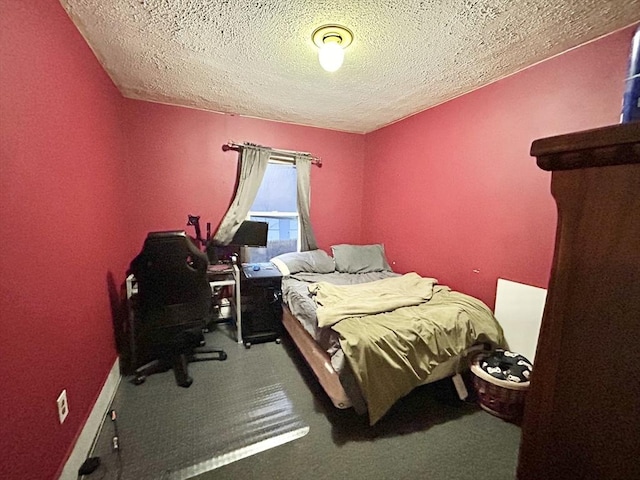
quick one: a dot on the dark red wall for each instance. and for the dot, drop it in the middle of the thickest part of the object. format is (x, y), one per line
(177, 167)
(453, 189)
(61, 191)
(85, 174)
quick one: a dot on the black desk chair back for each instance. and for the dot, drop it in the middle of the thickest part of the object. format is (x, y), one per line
(172, 306)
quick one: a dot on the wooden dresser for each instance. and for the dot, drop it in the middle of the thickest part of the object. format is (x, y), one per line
(582, 416)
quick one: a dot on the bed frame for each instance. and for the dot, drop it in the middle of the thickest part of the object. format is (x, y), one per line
(320, 363)
(317, 359)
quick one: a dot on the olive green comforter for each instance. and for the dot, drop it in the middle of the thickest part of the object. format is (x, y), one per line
(393, 345)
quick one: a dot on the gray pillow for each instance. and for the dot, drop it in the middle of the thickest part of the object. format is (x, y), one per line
(360, 258)
(314, 261)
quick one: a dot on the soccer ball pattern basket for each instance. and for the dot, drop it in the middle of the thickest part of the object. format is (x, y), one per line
(502, 398)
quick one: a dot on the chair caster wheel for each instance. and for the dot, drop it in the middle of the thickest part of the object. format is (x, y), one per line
(223, 356)
(278, 341)
(139, 380)
(247, 345)
(187, 383)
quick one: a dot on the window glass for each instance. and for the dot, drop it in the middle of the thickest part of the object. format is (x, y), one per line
(276, 204)
(277, 192)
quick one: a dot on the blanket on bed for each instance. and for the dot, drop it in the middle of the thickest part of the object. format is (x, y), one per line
(337, 302)
(393, 350)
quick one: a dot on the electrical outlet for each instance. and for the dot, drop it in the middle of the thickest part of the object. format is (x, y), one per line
(63, 406)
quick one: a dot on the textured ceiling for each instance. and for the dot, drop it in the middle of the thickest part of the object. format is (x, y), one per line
(256, 58)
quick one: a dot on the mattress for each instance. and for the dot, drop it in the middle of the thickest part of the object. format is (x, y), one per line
(296, 296)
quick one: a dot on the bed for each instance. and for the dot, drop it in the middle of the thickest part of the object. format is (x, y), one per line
(371, 335)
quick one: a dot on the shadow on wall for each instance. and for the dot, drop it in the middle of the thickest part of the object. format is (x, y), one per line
(121, 324)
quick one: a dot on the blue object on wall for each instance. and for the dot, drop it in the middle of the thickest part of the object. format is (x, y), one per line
(631, 100)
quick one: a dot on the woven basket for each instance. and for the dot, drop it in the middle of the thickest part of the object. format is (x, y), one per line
(499, 397)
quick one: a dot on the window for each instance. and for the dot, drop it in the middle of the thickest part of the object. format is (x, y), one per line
(276, 204)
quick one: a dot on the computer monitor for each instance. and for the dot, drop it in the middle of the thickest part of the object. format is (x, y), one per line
(251, 234)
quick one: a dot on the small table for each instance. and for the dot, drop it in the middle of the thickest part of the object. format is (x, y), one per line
(261, 286)
(228, 275)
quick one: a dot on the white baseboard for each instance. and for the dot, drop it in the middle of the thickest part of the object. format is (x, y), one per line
(92, 426)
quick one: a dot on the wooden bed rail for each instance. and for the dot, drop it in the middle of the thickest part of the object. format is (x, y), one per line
(317, 359)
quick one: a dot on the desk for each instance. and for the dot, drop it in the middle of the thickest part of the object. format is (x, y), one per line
(227, 275)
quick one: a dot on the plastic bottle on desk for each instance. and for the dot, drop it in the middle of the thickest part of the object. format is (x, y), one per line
(631, 100)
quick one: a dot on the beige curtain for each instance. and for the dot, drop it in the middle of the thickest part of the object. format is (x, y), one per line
(303, 171)
(253, 164)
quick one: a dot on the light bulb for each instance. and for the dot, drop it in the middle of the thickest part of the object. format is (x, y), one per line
(331, 56)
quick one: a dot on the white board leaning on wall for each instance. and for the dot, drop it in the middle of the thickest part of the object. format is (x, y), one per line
(519, 310)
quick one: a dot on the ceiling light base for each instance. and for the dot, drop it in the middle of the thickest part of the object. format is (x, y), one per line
(341, 35)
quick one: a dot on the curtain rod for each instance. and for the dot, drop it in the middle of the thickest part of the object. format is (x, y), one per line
(287, 154)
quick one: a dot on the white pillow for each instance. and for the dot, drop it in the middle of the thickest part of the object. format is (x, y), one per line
(280, 265)
(315, 261)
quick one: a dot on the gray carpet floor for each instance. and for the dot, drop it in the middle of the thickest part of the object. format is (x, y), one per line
(267, 391)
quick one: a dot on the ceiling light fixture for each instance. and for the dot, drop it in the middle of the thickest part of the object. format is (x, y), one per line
(331, 41)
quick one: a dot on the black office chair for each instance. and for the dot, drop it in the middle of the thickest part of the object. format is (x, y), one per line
(172, 306)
